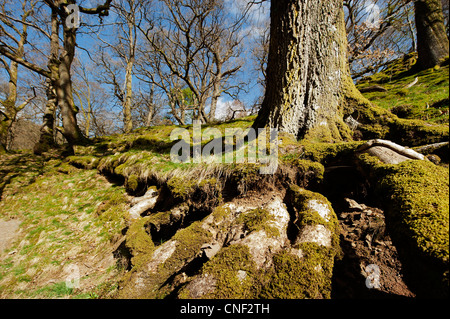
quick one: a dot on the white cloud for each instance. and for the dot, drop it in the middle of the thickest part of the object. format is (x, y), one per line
(258, 13)
(258, 16)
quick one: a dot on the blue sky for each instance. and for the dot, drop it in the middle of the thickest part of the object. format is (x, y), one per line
(258, 15)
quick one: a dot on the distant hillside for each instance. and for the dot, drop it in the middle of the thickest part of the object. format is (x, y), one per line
(408, 94)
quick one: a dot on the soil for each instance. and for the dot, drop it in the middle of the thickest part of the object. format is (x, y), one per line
(370, 267)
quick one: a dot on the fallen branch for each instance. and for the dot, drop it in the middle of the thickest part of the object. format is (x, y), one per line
(432, 147)
(412, 154)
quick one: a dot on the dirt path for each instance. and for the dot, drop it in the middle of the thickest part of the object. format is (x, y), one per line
(8, 230)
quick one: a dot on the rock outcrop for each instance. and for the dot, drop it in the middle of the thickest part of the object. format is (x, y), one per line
(273, 246)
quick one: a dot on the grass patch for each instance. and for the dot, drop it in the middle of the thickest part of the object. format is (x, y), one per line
(427, 100)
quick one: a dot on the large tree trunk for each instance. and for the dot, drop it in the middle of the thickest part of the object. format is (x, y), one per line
(215, 98)
(46, 139)
(308, 79)
(64, 91)
(432, 41)
(127, 120)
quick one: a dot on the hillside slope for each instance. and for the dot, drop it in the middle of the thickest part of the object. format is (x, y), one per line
(120, 219)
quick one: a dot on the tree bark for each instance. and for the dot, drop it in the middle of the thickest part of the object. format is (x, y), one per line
(308, 79)
(47, 137)
(127, 120)
(132, 39)
(432, 41)
(47, 140)
(64, 91)
(214, 99)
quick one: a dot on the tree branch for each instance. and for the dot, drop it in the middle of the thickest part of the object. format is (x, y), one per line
(102, 10)
(26, 64)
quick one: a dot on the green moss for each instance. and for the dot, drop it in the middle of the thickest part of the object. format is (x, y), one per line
(310, 170)
(416, 197)
(220, 213)
(85, 162)
(373, 131)
(432, 87)
(300, 199)
(119, 170)
(245, 176)
(113, 201)
(308, 277)
(417, 132)
(139, 242)
(224, 267)
(258, 219)
(181, 187)
(189, 242)
(132, 182)
(325, 153)
(330, 133)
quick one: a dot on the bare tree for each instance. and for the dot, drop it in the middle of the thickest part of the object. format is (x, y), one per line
(377, 32)
(17, 36)
(123, 45)
(224, 43)
(194, 46)
(152, 70)
(58, 71)
(148, 107)
(91, 96)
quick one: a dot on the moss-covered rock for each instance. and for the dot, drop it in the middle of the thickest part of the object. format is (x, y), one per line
(132, 183)
(314, 218)
(260, 259)
(326, 153)
(85, 162)
(416, 132)
(305, 277)
(139, 241)
(416, 197)
(258, 219)
(155, 263)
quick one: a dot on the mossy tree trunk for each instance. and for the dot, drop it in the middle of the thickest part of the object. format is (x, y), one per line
(130, 59)
(432, 41)
(46, 139)
(127, 120)
(308, 79)
(64, 91)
